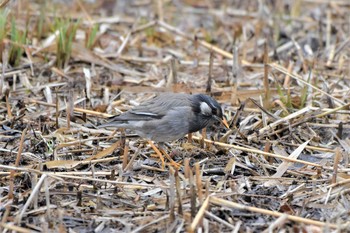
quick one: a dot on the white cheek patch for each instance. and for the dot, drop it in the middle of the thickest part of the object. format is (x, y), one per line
(205, 109)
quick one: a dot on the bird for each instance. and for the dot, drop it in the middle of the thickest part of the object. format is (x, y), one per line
(169, 116)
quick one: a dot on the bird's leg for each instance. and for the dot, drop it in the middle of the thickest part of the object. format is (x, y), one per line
(189, 138)
(204, 136)
(160, 152)
(157, 152)
(172, 162)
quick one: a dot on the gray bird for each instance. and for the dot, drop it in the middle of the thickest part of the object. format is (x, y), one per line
(169, 116)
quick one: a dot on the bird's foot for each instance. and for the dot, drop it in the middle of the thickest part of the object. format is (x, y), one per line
(160, 152)
(188, 146)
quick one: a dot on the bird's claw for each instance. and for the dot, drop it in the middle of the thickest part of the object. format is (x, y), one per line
(160, 152)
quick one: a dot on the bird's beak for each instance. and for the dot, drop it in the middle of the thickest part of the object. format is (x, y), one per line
(222, 121)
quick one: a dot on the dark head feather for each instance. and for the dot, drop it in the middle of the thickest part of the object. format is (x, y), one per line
(202, 120)
(213, 104)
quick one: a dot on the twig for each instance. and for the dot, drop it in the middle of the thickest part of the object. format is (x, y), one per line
(31, 198)
(15, 228)
(140, 228)
(199, 215)
(222, 202)
(336, 164)
(80, 110)
(259, 152)
(201, 42)
(297, 77)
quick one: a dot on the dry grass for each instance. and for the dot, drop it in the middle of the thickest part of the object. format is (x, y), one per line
(281, 72)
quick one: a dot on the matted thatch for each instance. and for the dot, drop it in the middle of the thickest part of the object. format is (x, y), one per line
(279, 68)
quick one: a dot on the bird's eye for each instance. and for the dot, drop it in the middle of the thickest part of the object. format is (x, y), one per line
(214, 111)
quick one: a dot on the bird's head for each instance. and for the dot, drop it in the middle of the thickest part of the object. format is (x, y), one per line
(209, 109)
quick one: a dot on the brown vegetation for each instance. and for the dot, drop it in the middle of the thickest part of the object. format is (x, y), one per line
(279, 68)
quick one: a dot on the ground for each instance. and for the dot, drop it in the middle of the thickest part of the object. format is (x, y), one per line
(279, 69)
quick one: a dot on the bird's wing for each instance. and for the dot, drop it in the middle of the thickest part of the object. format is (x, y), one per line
(155, 108)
